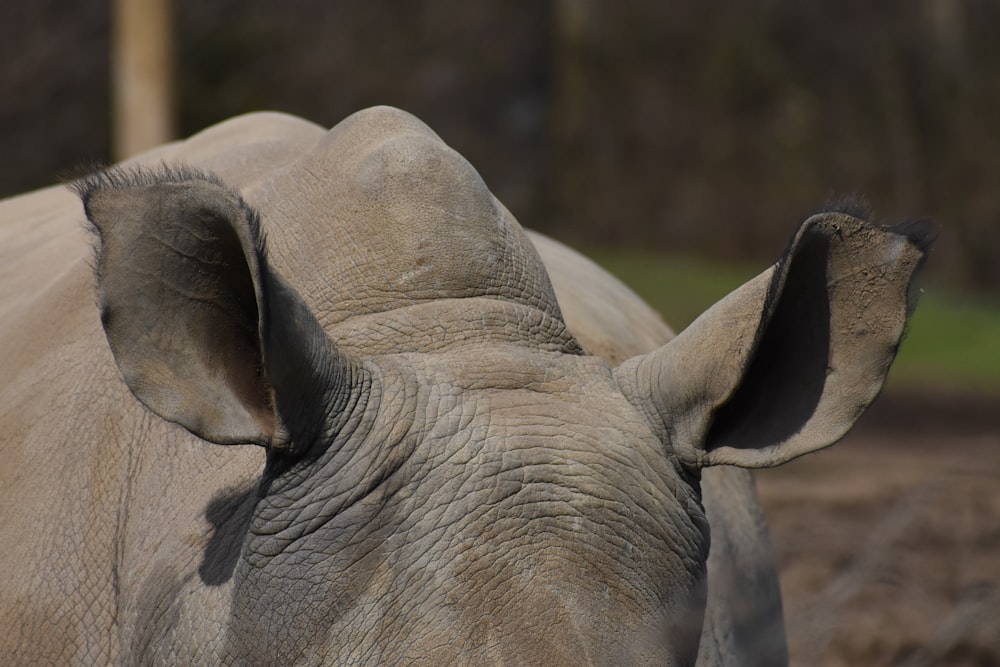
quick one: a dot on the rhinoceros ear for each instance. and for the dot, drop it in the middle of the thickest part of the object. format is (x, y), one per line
(786, 364)
(204, 332)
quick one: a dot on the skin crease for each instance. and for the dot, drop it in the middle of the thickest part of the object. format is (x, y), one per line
(743, 621)
(448, 479)
(438, 499)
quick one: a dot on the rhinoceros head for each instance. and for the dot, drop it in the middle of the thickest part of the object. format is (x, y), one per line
(449, 477)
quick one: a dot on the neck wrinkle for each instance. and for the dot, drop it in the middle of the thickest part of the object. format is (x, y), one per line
(361, 451)
(450, 324)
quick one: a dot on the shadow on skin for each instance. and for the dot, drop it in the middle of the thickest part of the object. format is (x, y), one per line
(229, 512)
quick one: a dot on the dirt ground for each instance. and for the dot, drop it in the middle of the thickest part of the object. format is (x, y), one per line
(889, 542)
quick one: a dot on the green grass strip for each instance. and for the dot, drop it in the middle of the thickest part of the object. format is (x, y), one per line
(952, 342)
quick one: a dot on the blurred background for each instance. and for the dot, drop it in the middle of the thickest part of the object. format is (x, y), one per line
(679, 144)
(703, 130)
(698, 127)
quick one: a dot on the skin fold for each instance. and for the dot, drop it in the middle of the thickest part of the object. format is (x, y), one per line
(335, 406)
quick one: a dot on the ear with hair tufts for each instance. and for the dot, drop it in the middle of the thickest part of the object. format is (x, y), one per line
(853, 205)
(190, 305)
(786, 364)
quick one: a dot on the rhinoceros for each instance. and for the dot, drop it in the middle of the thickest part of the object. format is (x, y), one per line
(438, 438)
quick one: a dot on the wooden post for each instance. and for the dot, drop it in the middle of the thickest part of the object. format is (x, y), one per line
(142, 76)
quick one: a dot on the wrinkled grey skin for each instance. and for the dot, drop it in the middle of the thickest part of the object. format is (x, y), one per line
(743, 621)
(424, 465)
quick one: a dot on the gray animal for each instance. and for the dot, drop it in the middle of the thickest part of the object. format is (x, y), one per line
(446, 440)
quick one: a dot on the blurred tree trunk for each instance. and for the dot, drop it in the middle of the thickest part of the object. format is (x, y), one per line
(946, 19)
(573, 24)
(142, 76)
(903, 152)
(570, 107)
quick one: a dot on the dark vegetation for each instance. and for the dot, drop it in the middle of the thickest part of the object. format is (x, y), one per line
(698, 127)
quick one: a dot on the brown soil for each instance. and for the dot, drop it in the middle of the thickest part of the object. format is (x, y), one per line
(889, 543)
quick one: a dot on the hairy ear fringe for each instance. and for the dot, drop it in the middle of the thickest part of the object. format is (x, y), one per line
(854, 205)
(120, 178)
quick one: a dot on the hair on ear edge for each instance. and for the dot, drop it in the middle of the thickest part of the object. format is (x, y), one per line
(126, 178)
(854, 205)
(921, 233)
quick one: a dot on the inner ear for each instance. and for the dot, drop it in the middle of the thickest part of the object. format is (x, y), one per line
(784, 382)
(232, 340)
(178, 260)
